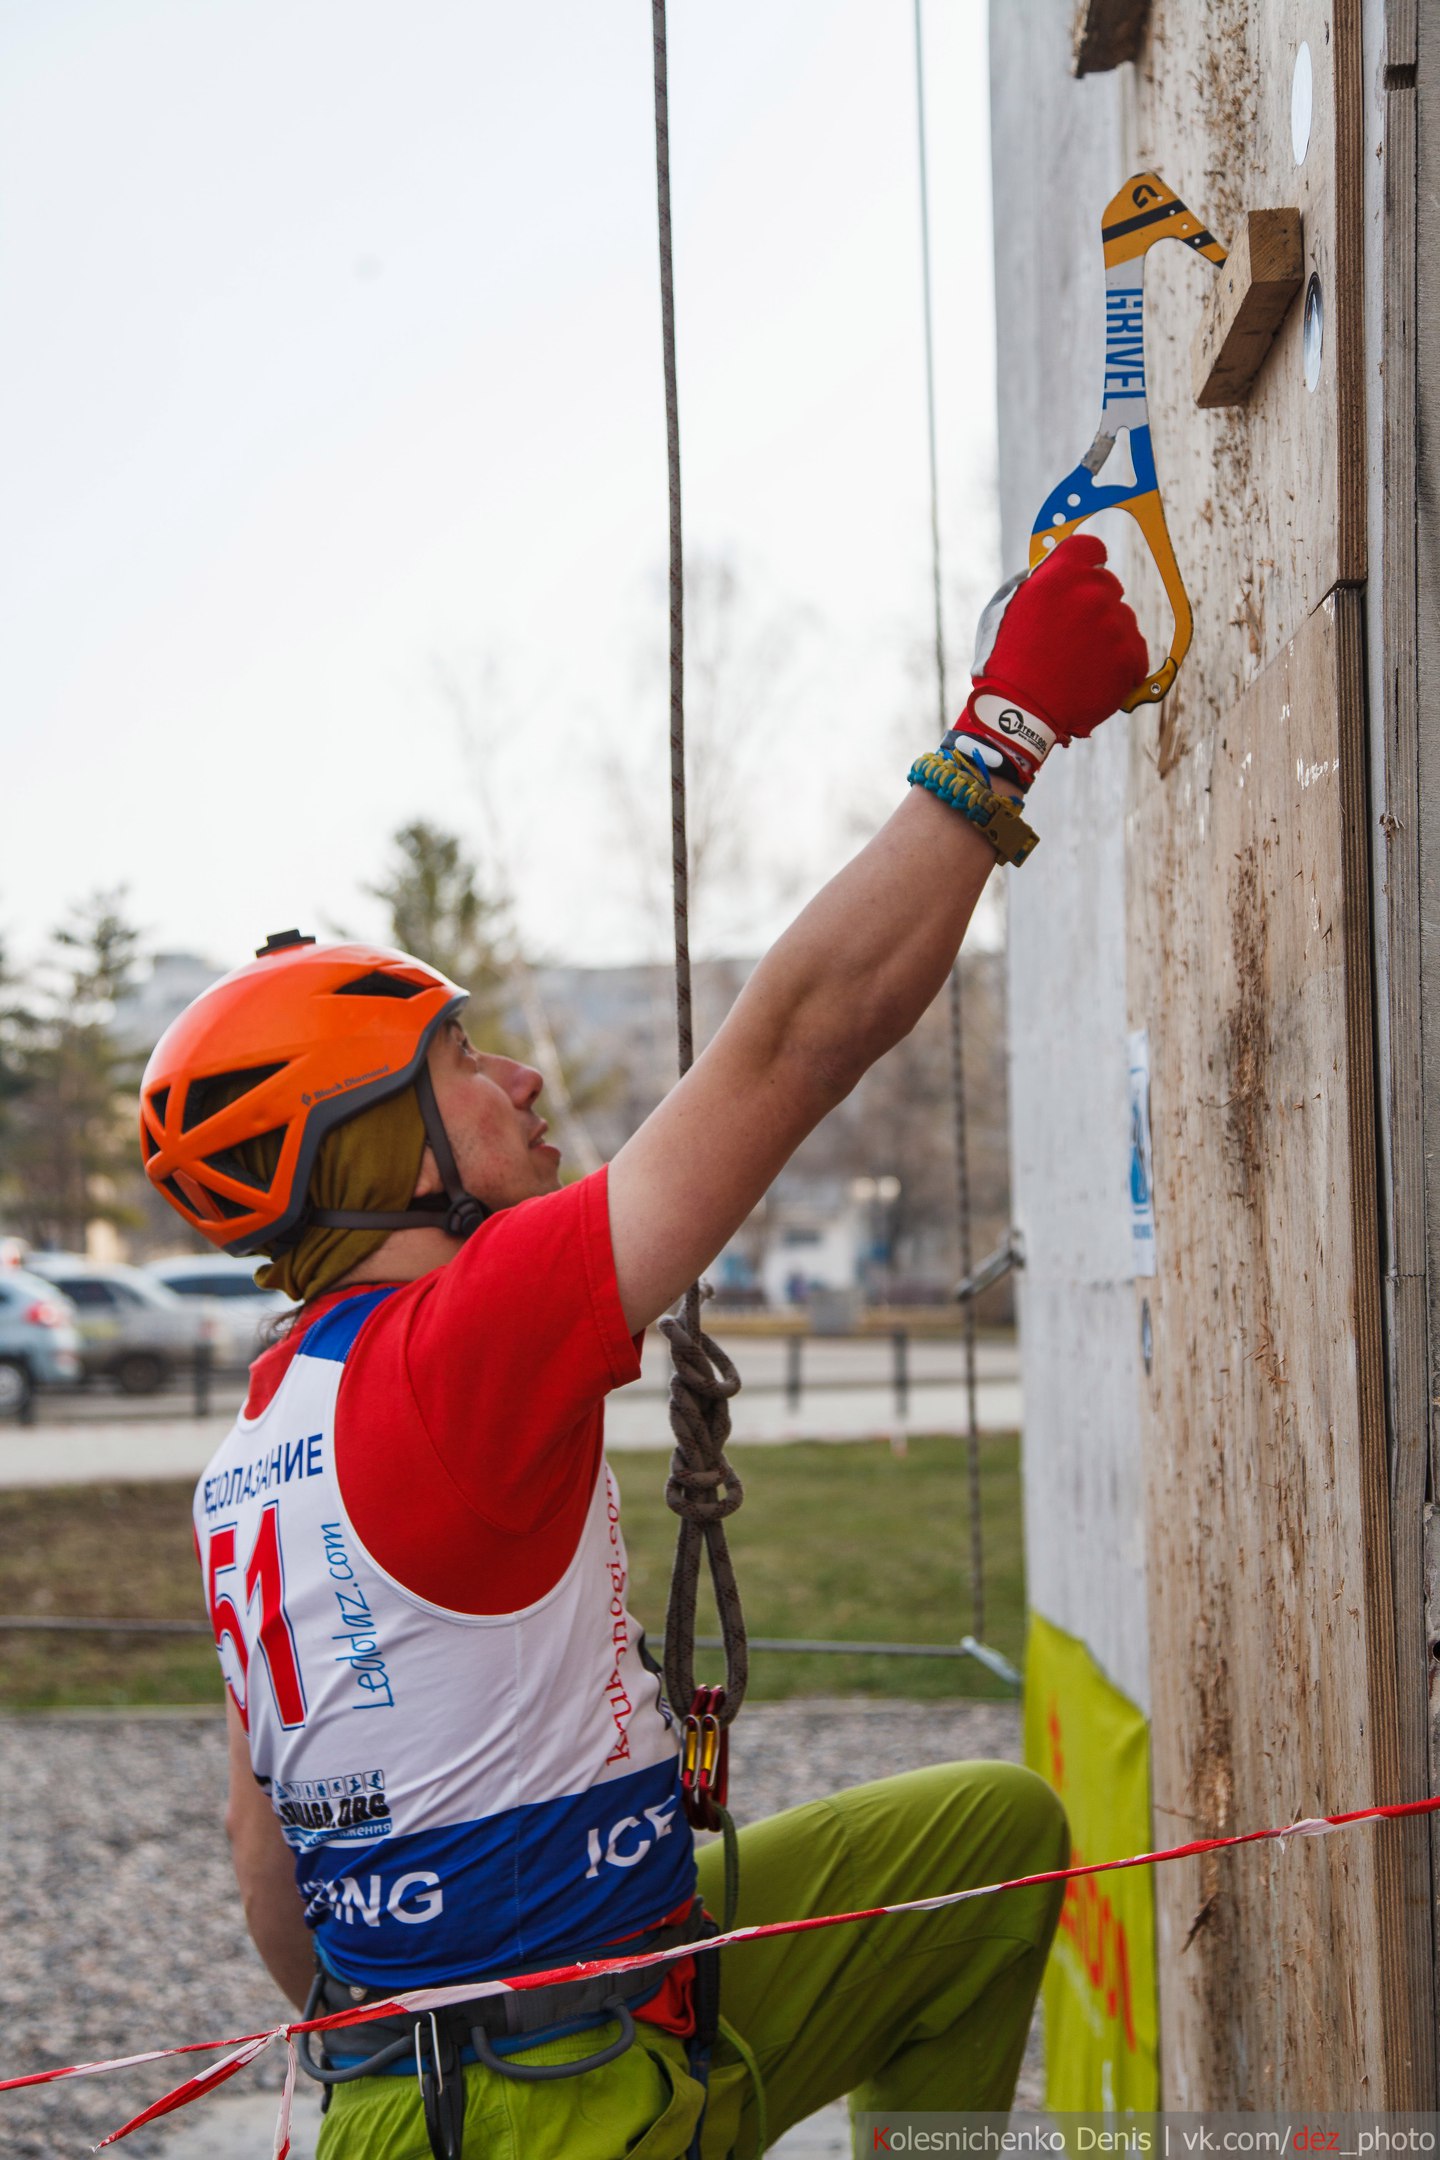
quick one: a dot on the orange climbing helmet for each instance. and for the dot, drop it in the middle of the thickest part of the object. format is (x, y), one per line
(287, 1048)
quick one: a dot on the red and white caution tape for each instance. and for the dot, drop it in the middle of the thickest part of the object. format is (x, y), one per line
(245, 2047)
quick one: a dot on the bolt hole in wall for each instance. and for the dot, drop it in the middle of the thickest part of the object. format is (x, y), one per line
(1302, 112)
(1313, 342)
(1302, 104)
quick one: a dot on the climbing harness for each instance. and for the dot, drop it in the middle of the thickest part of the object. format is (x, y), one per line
(493, 2029)
(1144, 212)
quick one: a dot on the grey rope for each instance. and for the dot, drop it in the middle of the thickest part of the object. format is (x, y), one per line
(930, 375)
(957, 1002)
(702, 1488)
(962, 1213)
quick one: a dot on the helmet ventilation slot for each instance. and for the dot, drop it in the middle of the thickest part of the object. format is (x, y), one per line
(217, 1091)
(376, 984)
(231, 1209)
(247, 1164)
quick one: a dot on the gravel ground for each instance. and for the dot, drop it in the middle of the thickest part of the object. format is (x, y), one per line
(123, 1929)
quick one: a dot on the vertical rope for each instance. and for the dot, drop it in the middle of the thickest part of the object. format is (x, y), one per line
(957, 1003)
(703, 1488)
(679, 846)
(944, 701)
(964, 1239)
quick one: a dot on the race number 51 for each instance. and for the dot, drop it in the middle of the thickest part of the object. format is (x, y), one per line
(264, 1579)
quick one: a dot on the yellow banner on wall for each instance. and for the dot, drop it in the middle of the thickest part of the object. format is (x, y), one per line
(1092, 1744)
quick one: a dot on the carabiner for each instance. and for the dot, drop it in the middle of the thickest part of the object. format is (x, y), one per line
(1143, 212)
(704, 1759)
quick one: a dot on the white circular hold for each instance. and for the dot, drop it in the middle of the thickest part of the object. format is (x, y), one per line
(1302, 104)
(1047, 540)
(1074, 501)
(1313, 342)
(1059, 518)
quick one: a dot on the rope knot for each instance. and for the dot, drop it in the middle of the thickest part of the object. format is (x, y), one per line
(702, 1490)
(702, 1486)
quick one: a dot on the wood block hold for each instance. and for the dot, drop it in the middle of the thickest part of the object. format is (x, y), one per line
(1106, 33)
(1252, 291)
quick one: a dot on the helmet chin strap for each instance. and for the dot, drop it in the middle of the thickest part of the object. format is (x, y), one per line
(457, 1212)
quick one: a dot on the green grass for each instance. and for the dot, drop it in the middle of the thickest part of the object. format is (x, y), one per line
(849, 1540)
(833, 1542)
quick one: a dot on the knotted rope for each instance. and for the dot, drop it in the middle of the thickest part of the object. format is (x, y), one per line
(703, 1488)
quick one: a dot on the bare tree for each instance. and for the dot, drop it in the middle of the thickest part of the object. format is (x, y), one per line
(740, 661)
(570, 1083)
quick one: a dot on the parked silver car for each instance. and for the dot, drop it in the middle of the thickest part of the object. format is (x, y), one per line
(223, 1288)
(132, 1329)
(39, 1341)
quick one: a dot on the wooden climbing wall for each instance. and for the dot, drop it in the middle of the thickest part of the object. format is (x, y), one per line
(1212, 882)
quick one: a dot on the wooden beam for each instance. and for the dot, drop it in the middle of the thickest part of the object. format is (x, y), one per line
(1106, 33)
(1246, 306)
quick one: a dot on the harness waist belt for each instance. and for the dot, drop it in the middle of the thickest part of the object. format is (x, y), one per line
(526, 2014)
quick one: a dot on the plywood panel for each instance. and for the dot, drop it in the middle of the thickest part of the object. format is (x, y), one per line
(1423, 29)
(1395, 815)
(1270, 1575)
(1267, 501)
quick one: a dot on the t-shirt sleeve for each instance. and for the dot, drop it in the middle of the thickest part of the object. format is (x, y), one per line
(469, 1421)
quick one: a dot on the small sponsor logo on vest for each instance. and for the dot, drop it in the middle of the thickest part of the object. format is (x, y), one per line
(347, 1810)
(617, 1696)
(626, 1842)
(360, 1645)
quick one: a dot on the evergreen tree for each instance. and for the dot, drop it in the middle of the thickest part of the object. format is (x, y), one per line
(439, 912)
(16, 1024)
(67, 1143)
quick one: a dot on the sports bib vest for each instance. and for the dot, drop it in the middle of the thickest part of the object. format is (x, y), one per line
(464, 1795)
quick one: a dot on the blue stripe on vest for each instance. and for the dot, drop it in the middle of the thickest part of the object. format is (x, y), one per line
(333, 1335)
(534, 1886)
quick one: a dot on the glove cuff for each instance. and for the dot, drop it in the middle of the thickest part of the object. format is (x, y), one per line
(996, 714)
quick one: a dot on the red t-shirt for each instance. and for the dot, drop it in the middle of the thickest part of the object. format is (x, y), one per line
(469, 1423)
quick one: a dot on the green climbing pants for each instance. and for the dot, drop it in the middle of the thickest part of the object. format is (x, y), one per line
(927, 2010)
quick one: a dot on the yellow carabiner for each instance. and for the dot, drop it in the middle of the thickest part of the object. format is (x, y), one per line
(1143, 212)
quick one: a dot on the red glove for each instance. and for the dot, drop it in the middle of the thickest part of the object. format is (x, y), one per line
(1065, 649)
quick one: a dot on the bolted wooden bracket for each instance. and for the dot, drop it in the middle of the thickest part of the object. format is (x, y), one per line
(1106, 33)
(1246, 305)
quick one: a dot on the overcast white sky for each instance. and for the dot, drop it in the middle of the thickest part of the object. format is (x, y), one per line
(332, 358)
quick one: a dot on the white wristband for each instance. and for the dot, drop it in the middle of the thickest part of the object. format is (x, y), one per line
(1025, 729)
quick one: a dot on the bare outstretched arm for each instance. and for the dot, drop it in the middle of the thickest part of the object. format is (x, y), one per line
(1060, 650)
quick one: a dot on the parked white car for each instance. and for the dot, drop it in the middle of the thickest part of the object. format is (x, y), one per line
(133, 1330)
(241, 1315)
